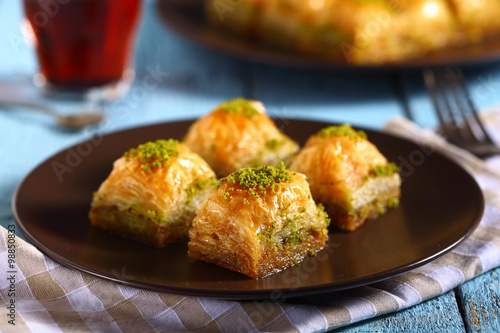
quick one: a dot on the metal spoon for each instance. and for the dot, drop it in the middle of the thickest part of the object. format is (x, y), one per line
(74, 121)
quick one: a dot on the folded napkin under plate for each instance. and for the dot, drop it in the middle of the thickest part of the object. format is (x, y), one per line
(50, 297)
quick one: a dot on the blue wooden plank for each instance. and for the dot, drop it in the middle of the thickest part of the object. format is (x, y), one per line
(480, 299)
(440, 314)
(198, 79)
(360, 99)
(193, 80)
(483, 84)
(17, 55)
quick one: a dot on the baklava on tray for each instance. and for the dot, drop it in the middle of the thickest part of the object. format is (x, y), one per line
(477, 19)
(348, 175)
(152, 192)
(359, 32)
(258, 221)
(239, 134)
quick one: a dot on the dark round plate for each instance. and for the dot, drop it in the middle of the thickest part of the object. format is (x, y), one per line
(441, 205)
(186, 17)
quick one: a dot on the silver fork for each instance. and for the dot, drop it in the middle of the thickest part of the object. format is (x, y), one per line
(460, 123)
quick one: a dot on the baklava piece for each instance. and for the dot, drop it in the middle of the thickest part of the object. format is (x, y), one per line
(356, 31)
(239, 134)
(152, 192)
(476, 20)
(359, 32)
(348, 175)
(259, 221)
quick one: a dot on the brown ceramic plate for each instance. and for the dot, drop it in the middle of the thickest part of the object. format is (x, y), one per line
(186, 17)
(441, 205)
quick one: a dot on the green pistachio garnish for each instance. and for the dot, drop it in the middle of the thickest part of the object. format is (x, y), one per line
(343, 130)
(323, 214)
(266, 233)
(155, 216)
(239, 106)
(198, 185)
(383, 170)
(273, 144)
(394, 203)
(153, 155)
(257, 181)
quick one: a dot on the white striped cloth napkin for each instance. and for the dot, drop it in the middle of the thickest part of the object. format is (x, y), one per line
(44, 296)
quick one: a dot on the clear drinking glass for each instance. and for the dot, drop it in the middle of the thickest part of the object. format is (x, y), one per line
(84, 46)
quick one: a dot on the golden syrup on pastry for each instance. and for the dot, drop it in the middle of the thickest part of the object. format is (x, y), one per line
(349, 175)
(258, 221)
(239, 134)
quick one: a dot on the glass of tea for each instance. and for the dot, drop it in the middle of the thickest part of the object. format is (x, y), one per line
(84, 45)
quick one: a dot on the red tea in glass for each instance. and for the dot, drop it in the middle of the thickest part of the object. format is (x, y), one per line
(83, 43)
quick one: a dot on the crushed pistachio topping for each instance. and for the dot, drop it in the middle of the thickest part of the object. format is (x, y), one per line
(153, 155)
(137, 206)
(239, 106)
(294, 237)
(383, 170)
(155, 216)
(323, 214)
(273, 144)
(284, 208)
(343, 130)
(394, 203)
(257, 181)
(198, 185)
(266, 233)
(380, 209)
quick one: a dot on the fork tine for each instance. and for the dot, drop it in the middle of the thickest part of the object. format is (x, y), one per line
(466, 106)
(461, 110)
(460, 123)
(436, 87)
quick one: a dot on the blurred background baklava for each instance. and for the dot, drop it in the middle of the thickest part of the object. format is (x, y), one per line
(360, 32)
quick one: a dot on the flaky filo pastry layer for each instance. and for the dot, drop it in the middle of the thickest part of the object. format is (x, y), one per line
(239, 134)
(258, 229)
(348, 175)
(152, 192)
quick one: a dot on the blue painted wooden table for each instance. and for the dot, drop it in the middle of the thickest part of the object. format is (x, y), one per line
(191, 80)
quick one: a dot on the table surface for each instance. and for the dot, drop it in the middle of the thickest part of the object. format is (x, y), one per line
(191, 80)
